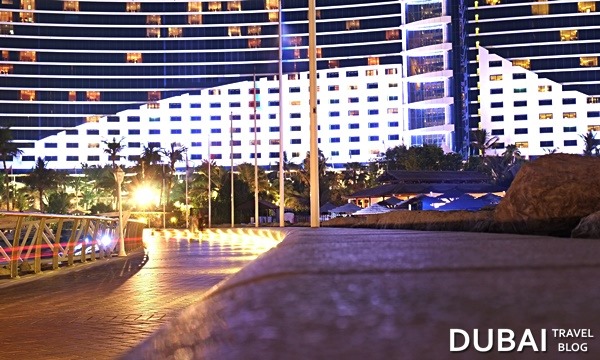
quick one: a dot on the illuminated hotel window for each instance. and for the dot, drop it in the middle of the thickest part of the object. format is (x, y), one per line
(27, 5)
(214, 6)
(254, 30)
(524, 63)
(295, 40)
(134, 58)
(545, 88)
(254, 43)
(353, 113)
(195, 19)
(93, 119)
(392, 34)
(93, 96)
(6, 29)
(492, 2)
(93, 145)
(297, 54)
(593, 100)
(27, 56)
(540, 9)
(319, 53)
(214, 92)
(5, 55)
(588, 61)
(333, 64)
(271, 4)
(293, 76)
(175, 32)
(586, 6)
(593, 127)
(234, 31)
(392, 110)
(132, 7)
(153, 32)
(6, 69)
(71, 6)
(28, 95)
(568, 35)
(352, 24)
(295, 103)
(373, 61)
(522, 144)
(391, 71)
(496, 77)
(371, 72)
(546, 116)
(153, 20)
(154, 95)
(72, 95)
(234, 6)
(352, 87)
(569, 115)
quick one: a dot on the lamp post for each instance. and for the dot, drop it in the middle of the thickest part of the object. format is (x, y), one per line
(231, 156)
(314, 150)
(119, 176)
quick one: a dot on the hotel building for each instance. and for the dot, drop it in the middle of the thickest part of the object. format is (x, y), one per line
(534, 74)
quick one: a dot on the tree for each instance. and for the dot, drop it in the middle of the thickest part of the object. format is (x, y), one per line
(59, 202)
(40, 179)
(590, 143)
(113, 148)
(8, 150)
(418, 158)
(173, 156)
(482, 141)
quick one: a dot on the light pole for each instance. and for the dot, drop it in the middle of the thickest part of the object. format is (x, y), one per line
(314, 150)
(231, 156)
(281, 175)
(119, 176)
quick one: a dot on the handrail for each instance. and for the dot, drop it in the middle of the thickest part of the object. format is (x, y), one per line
(53, 239)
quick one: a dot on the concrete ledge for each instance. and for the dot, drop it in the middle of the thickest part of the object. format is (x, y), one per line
(389, 294)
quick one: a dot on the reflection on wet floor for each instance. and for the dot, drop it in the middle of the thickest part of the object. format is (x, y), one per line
(123, 300)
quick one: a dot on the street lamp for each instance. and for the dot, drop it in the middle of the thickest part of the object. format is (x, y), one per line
(119, 176)
(314, 150)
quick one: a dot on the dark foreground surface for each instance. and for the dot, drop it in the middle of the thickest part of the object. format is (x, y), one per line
(392, 294)
(103, 310)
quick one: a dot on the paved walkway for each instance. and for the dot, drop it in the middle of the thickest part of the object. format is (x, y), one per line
(102, 310)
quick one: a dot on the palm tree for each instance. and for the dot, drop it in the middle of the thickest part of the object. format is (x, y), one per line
(113, 148)
(590, 143)
(482, 141)
(8, 149)
(174, 155)
(40, 179)
(151, 155)
(512, 154)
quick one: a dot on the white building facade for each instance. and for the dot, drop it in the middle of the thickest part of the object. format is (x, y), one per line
(535, 114)
(360, 115)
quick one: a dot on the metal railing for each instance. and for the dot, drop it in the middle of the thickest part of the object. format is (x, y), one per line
(32, 241)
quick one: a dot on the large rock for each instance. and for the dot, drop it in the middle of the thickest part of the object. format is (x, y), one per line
(588, 228)
(550, 195)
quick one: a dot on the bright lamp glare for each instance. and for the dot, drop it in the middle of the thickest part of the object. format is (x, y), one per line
(145, 195)
(105, 240)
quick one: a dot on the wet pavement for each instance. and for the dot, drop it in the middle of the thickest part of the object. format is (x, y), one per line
(102, 310)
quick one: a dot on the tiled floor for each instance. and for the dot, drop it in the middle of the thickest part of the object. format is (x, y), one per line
(102, 311)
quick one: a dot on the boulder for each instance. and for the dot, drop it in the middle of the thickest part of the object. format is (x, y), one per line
(588, 228)
(550, 195)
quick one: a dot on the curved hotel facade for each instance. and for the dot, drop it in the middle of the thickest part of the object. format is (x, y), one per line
(77, 66)
(534, 74)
